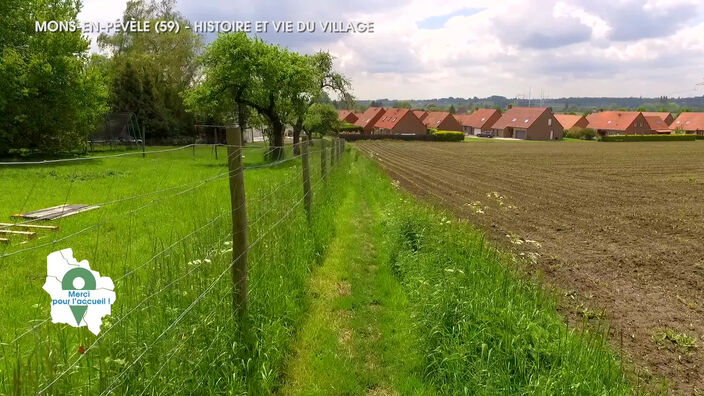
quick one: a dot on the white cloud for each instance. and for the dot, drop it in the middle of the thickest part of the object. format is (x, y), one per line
(566, 47)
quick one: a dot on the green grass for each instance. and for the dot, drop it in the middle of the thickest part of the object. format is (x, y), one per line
(485, 329)
(202, 352)
(379, 294)
(358, 337)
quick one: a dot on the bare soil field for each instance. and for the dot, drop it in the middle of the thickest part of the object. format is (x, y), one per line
(618, 228)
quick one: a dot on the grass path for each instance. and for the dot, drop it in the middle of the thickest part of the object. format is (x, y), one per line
(358, 338)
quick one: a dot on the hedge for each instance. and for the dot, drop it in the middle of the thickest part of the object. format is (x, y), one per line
(449, 136)
(346, 127)
(647, 138)
(353, 137)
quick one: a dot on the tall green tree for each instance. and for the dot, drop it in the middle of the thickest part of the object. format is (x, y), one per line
(50, 96)
(245, 72)
(325, 80)
(321, 118)
(162, 63)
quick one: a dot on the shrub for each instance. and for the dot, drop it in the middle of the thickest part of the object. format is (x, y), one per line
(432, 131)
(347, 127)
(449, 136)
(647, 138)
(581, 133)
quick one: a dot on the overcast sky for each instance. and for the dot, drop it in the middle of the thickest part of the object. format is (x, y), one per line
(464, 48)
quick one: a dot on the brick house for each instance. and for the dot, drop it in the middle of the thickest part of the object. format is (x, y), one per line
(442, 121)
(421, 114)
(657, 124)
(481, 120)
(348, 116)
(663, 115)
(689, 123)
(399, 121)
(529, 123)
(619, 123)
(369, 118)
(569, 121)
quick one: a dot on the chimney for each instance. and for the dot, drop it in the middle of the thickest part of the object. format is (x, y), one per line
(550, 108)
(509, 106)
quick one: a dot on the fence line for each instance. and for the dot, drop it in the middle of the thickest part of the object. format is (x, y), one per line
(335, 150)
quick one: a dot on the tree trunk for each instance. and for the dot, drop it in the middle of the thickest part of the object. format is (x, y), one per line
(276, 146)
(297, 128)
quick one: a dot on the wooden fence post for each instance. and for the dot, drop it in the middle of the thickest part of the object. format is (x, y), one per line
(144, 141)
(239, 222)
(333, 152)
(307, 193)
(215, 144)
(323, 160)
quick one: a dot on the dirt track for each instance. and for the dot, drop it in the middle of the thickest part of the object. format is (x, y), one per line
(618, 227)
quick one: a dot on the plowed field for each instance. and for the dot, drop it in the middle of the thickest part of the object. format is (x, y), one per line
(617, 227)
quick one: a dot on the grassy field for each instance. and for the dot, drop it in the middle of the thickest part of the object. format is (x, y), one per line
(162, 235)
(380, 294)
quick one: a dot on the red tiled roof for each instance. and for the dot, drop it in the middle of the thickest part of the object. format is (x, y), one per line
(660, 114)
(568, 120)
(421, 114)
(390, 118)
(347, 115)
(434, 118)
(612, 120)
(368, 116)
(476, 119)
(519, 117)
(689, 122)
(656, 123)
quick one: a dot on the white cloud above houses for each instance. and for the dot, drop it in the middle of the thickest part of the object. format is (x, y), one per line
(426, 49)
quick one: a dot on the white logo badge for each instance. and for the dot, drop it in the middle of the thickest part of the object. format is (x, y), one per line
(79, 296)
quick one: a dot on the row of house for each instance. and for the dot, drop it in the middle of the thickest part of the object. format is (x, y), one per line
(531, 123)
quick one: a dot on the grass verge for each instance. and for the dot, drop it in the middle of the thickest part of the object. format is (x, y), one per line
(484, 328)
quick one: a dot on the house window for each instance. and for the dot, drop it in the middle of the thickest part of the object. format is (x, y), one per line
(549, 121)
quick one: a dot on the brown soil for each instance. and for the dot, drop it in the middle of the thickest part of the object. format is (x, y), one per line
(618, 227)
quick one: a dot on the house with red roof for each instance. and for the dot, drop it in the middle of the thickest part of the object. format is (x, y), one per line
(689, 123)
(569, 121)
(619, 123)
(663, 115)
(529, 123)
(481, 120)
(369, 118)
(658, 125)
(421, 114)
(348, 116)
(442, 121)
(401, 121)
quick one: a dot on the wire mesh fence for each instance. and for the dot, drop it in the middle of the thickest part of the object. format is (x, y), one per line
(163, 233)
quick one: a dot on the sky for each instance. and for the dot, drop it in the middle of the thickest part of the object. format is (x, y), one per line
(463, 48)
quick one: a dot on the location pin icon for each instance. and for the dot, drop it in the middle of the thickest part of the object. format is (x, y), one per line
(67, 283)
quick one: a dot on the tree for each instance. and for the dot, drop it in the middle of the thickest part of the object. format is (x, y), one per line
(325, 78)
(50, 96)
(404, 104)
(452, 109)
(321, 119)
(164, 62)
(242, 72)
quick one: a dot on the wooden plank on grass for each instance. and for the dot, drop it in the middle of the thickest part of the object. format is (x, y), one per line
(27, 234)
(4, 240)
(56, 212)
(30, 226)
